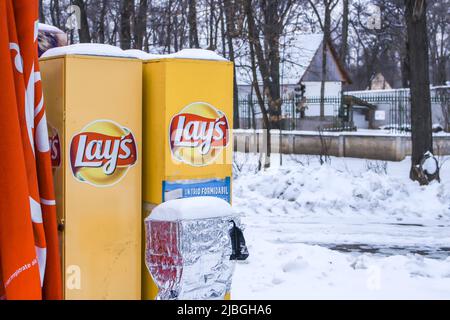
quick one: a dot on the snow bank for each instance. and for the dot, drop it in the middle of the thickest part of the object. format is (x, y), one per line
(299, 271)
(190, 209)
(347, 188)
(345, 230)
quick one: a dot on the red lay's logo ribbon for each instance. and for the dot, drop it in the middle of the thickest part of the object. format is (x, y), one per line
(102, 153)
(198, 134)
(55, 147)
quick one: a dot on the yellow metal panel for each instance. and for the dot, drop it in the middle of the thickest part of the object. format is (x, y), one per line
(191, 81)
(154, 94)
(53, 85)
(102, 223)
(170, 85)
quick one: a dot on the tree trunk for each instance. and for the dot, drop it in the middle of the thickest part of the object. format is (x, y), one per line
(101, 23)
(83, 32)
(345, 23)
(230, 36)
(41, 12)
(421, 127)
(257, 54)
(326, 40)
(192, 20)
(211, 45)
(405, 66)
(55, 13)
(126, 10)
(442, 61)
(169, 27)
(140, 25)
(272, 33)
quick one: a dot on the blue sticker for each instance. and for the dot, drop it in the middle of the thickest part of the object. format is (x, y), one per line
(219, 188)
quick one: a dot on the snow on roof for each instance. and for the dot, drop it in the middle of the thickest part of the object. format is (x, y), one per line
(296, 54)
(48, 28)
(191, 209)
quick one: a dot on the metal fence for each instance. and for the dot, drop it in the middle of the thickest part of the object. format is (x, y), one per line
(250, 115)
(394, 105)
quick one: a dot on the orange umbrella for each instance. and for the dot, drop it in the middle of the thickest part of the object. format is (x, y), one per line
(21, 16)
(18, 261)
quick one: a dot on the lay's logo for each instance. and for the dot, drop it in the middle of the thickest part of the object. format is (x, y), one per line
(55, 146)
(198, 134)
(102, 153)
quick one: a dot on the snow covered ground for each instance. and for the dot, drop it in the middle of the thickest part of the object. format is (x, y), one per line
(352, 229)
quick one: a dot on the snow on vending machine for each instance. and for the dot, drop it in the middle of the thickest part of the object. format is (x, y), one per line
(94, 113)
(187, 141)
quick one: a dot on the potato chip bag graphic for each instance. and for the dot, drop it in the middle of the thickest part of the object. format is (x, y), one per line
(102, 153)
(198, 134)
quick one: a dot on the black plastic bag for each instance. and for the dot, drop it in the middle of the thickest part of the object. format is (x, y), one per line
(239, 248)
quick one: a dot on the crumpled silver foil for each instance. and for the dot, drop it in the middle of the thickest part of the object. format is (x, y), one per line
(190, 259)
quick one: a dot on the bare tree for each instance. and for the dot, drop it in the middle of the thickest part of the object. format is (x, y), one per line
(192, 18)
(140, 24)
(233, 29)
(266, 58)
(325, 25)
(83, 32)
(41, 12)
(344, 37)
(126, 14)
(421, 127)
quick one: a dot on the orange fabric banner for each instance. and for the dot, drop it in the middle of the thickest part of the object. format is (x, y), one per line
(18, 261)
(21, 17)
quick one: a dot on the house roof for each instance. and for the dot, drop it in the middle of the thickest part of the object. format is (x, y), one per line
(297, 53)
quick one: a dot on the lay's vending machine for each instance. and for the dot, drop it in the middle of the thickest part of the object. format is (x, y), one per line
(94, 111)
(187, 140)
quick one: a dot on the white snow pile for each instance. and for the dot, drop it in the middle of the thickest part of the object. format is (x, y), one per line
(316, 191)
(299, 271)
(190, 209)
(352, 229)
(96, 49)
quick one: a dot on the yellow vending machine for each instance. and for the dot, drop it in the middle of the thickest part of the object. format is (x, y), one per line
(187, 140)
(94, 112)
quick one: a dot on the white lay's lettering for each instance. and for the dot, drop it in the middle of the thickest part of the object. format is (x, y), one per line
(198, 133)
(101, 150)
(124, 147)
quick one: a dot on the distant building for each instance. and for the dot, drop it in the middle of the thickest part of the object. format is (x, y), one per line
(379, 82)
(301, 64)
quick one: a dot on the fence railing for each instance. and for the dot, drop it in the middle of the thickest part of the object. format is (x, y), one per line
(395, 105)
(250, 115)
